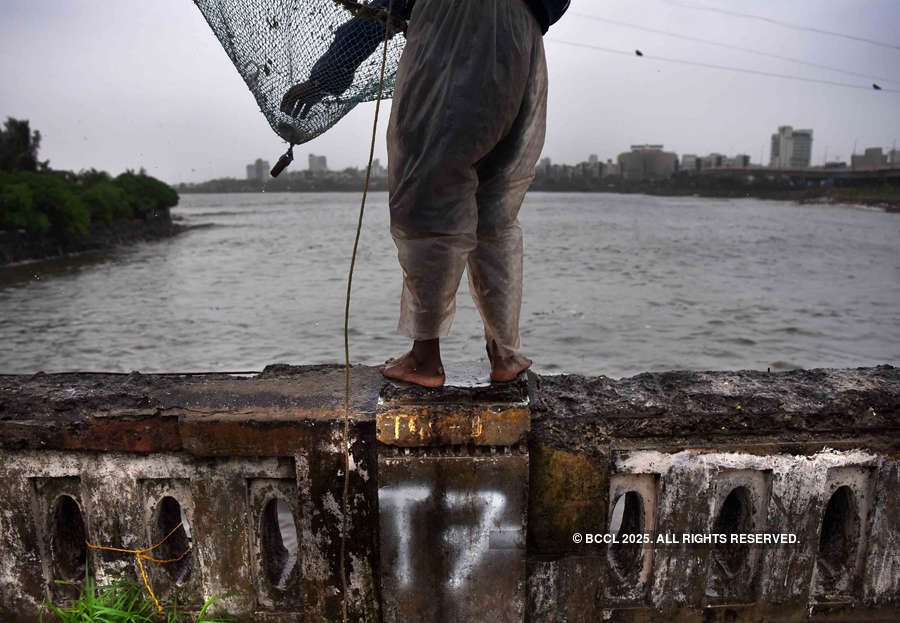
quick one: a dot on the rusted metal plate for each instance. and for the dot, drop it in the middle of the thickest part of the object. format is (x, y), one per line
(452, 534)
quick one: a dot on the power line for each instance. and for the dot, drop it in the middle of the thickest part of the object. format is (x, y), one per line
(703, 7)
(723, 67)
(735, 47)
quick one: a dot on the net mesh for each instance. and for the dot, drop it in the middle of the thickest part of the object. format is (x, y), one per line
(277, 44)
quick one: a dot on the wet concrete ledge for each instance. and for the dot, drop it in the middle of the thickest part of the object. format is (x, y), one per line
(150, 413)
(464, 500)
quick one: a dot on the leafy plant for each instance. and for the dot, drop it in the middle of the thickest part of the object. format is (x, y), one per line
(123, 601)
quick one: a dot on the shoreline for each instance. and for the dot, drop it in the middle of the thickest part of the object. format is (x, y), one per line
(18, 250)
(799, 196)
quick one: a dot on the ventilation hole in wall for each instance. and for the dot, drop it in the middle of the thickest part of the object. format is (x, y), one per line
(168, 515)
(840, 529)
(735, 517)
(67, 546)
(627, 518)
(278, 537)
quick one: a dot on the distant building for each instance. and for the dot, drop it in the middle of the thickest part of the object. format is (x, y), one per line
(893, 156)
(690, 163)
(873, 157)
(740, 161)
(543, 166)
(835, 164)
(258, 170)
(712, 161)
(791, 149)
(378, 171)
(592, 168)
(318, 164)
(647, 162)
(610, 168)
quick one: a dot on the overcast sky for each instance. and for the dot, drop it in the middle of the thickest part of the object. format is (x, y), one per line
(117, 84)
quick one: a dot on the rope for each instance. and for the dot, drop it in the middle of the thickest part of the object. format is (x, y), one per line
(141, 555)
(362, 207)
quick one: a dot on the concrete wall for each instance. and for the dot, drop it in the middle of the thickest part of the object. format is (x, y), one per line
(464, 504)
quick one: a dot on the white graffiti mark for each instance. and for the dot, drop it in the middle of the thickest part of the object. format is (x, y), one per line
(468, 541)
(399, 501)
(472, 541)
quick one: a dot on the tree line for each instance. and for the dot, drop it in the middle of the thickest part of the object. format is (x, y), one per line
(63, 204)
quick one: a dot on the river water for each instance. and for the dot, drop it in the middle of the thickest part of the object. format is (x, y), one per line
(614, 285)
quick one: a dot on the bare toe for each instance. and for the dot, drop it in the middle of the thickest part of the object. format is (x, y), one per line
(406, 369)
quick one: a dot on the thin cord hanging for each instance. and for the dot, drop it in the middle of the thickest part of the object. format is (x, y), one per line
(729, 46)
(783, 24)
(362, 208)
(723, 67)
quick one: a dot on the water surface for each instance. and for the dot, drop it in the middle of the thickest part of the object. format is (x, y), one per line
(614, 285)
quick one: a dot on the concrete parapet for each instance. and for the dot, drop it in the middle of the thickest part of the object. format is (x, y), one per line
(453, 494)
(465, 503)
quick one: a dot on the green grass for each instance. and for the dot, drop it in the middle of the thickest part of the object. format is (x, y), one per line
(123, 601)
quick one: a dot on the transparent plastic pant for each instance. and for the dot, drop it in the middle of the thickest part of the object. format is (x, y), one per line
(466, 129)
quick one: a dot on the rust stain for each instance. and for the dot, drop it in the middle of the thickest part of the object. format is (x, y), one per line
(454, 425)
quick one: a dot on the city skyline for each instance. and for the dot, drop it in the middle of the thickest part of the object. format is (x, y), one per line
(132, 84)
(870, 156)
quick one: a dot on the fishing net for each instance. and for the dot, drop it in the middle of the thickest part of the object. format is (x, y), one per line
(331, 48)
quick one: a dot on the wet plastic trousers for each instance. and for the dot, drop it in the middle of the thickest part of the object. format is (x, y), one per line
(466, 129)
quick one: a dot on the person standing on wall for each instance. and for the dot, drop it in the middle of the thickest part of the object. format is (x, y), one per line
(466, 130)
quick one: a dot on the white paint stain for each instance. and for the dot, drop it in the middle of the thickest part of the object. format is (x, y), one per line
(472, 541)
(399, 502)
(468, 542)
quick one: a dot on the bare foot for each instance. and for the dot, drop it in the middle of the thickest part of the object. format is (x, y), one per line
(506, 369)
(421, 365)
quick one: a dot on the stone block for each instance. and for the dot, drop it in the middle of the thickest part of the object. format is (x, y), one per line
(320, 485)
(452, 535)
(569, 493)
(481, 425)
(21, 572)
(882, 568)
(220, 537)
(567, 590)
(115, 515)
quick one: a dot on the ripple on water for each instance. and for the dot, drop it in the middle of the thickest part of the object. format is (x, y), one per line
(275, 265)
(743, 341)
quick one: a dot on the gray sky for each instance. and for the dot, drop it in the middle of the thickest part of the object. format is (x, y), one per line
(117, 84)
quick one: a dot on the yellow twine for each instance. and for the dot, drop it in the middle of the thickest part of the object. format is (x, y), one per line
(141, 555)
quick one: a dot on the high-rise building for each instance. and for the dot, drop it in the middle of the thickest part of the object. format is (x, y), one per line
(873, 157)
(690, 163)
(318, 164)
(647, 162)
(791, 149)
(258, 170)
(712, 161)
